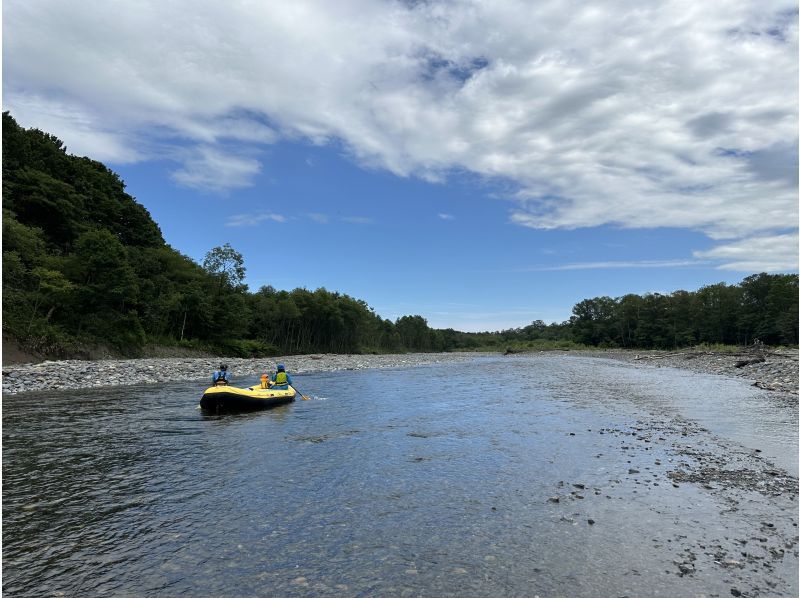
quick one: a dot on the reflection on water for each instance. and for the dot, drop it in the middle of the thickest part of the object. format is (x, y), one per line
(433, 480)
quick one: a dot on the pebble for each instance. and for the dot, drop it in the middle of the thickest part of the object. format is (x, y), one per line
(778, 373)
(77, 374)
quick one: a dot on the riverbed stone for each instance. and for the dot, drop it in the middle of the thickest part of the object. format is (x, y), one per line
(778, 373)
(77, 374)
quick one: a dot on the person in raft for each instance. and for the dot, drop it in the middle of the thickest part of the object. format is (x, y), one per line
(280, 380)
(220, 377)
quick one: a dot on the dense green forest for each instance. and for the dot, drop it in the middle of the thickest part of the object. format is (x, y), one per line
(84, 264)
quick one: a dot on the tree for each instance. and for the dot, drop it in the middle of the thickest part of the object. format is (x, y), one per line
(414, 332)
(106, 288)
(52, 290)
(226, 264)
(594, 321)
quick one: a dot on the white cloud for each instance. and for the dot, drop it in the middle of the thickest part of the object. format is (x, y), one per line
(319, 218)
(357, 219)
(611, 265)
(447, 217)
(87, 134)
(777, 253)
(254, 219)
(209, 168)
(676, 113)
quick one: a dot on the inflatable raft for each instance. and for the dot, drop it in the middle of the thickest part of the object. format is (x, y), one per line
(228, 398)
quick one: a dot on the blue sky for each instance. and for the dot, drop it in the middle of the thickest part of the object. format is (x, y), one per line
(480, 164)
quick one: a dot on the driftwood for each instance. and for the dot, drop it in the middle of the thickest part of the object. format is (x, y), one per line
(686, 354)
(764, 385)
(744, 362)
(755, 353)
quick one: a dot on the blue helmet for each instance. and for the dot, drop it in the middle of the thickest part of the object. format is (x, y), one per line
(281, 367)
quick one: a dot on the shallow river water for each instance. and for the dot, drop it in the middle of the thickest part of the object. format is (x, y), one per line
(536, 475)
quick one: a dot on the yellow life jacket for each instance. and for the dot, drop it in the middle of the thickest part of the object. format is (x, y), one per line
(281, 379)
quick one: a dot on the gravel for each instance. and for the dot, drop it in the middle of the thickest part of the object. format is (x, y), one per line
(75, 374)
(779, 371)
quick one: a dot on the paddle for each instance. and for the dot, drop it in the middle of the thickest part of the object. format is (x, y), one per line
(305, 398)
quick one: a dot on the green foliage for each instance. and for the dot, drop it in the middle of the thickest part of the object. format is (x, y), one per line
(84, 264)
(245, 348)
(225, 263)
(763, 307)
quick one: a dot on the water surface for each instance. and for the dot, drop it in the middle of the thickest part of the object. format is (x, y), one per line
(427, 481)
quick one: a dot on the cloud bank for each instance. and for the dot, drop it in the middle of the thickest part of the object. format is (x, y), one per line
(677, 113)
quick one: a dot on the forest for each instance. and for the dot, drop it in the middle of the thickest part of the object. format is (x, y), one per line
(84, 264)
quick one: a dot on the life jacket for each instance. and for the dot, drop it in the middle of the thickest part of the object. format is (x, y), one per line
(222, 379)
(264, 381)
(281, 379)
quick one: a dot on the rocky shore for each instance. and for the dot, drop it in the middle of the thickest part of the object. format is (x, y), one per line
(778, 371)
(75, 374)
(770, 369)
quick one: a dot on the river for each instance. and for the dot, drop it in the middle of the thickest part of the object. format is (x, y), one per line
(534, 475)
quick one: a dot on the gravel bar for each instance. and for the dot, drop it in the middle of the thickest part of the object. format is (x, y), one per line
(778, 372)
(75, 374)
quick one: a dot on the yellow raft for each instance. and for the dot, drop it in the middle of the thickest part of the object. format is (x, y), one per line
(228, 398)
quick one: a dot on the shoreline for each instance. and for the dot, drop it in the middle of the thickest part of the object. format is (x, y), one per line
(73, 374)
(778, 371)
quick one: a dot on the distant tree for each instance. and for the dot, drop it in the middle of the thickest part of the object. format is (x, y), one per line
(769, 310)
(414, 332)
(226, 264)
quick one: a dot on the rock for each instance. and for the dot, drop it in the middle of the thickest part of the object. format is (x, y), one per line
(75, 374)
(735, 592)
(590, 521)
(554, 499)
(632, 470)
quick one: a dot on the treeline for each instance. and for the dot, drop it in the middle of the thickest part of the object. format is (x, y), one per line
(84, 265)
(762, 307)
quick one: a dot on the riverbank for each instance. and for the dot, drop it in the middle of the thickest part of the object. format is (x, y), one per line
(76, 374)
(778, 371)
